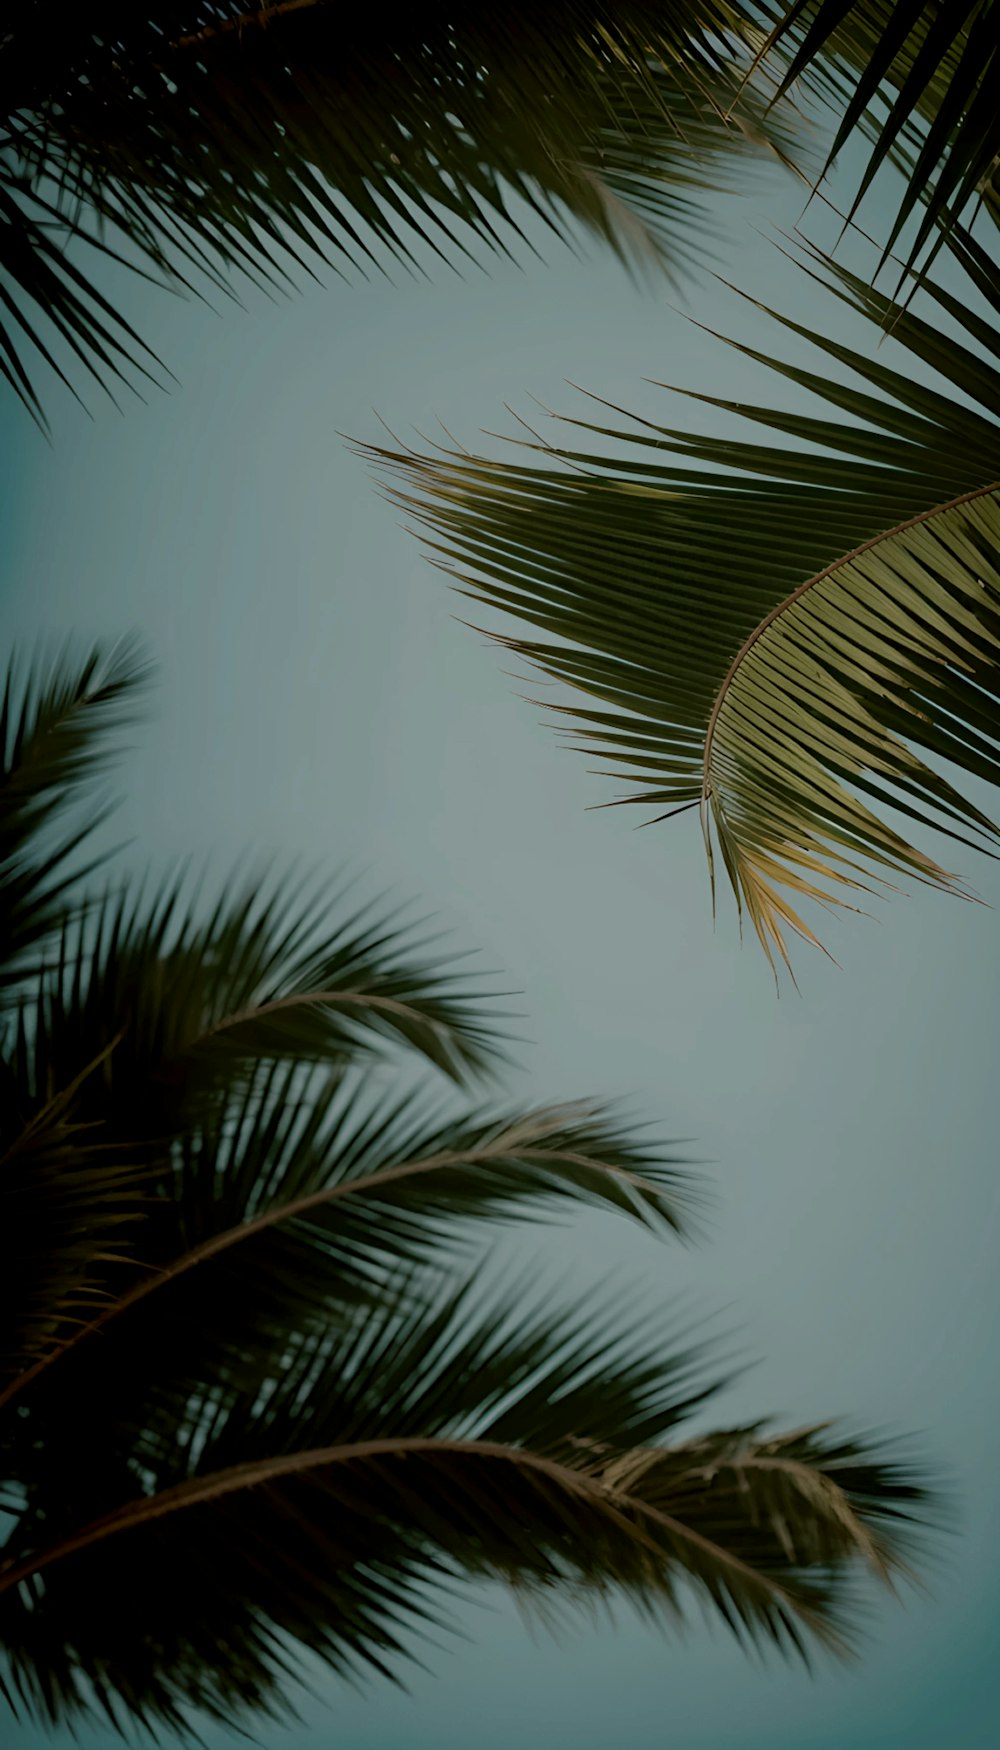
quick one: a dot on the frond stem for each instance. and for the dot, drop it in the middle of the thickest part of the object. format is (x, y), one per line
(801, 590)
(261, 17)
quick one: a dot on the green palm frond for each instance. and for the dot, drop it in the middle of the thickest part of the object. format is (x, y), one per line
(916, 77)
(404, 1450)
(289, 1201)
(209, 145)
(247, 1414)
(163, 1048)
(272, 969)
(790, 639)
(55, 725)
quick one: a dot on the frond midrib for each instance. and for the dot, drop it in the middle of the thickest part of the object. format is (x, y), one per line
(790, 601)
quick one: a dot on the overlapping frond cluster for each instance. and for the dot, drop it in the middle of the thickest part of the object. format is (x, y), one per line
(209, 144)
(253, 1401)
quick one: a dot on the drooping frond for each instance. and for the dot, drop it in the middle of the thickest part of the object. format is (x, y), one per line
(792, 639)
(271, 969)
(210, 144)
(407, 1448)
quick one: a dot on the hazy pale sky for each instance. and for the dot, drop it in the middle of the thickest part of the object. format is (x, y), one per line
(318, 699)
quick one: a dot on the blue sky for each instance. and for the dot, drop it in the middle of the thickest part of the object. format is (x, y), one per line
(318, 699)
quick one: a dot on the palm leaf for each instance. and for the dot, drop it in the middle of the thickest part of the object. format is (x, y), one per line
(162, 1043)
(238, 1387)
(407, 1448)
(917, 78)
(55, 725)
(69, 1207)
(271, 968)
(290, 1201)
(266, 144)
(777, 637)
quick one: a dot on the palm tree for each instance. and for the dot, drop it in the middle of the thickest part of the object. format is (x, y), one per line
(208, 141)
(257, 1397)
(787, 639)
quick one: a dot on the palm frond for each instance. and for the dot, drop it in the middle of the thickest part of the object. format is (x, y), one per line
(779, 636)
(290, 1201)
(239, 1387)
(163, 1050)
(917, 78)
(272, 968)
(56, 718)
(69, 1212)
(410, 1448)
(233, 143)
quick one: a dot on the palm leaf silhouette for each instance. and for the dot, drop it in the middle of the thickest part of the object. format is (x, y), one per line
(256, 1400)
(213, 145)
(399, 1451)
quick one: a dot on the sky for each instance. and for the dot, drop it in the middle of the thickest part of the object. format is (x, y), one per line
(318, 699)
